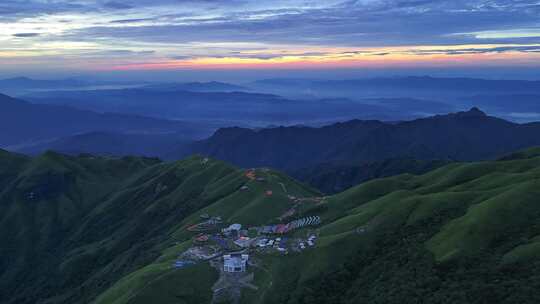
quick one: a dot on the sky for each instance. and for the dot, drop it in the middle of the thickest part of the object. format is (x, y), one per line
(242, 36)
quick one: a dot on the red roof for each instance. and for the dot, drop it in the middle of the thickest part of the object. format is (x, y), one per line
(282, 228)
(202, 238)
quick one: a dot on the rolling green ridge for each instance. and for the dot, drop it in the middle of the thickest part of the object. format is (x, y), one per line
(106, 231)
(72, 226)
(333, 178)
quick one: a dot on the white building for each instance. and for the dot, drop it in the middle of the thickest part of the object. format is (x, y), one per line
(235, 262)
(262, 242)
(233, 227)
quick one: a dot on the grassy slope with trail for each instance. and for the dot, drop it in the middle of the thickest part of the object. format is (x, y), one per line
(464, 233)
(71, 227)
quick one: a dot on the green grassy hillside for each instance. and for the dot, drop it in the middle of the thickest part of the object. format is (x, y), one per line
(71, 227)
(337, 177)
(106, 231)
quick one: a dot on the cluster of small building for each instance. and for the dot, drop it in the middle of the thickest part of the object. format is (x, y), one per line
(233, 237)
(241, 239)
(225, 242)
(279, 244)
(237, 262)
(228, 248)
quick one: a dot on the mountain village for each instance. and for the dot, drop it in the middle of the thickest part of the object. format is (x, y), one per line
(233, 248)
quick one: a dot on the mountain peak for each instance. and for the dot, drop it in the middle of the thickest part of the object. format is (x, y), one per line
(473, 112)
(477, 111)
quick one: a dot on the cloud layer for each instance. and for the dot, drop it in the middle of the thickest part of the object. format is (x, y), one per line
(180, 33)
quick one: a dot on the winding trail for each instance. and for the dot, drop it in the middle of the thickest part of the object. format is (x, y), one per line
(284, 188)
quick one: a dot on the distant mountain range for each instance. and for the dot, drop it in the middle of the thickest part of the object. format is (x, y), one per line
(24, 85)
(24, 123)
(515, 100)
(29, 83)
(463, 136)
(331, 158)
(390, 98)
(422, 83)
(298, 101)
(225, 108)
(20, 86)
(419, 83)
(111, 144)
(212, 86)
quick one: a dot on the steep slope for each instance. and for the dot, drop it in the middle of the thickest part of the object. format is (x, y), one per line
(72, 226)
(282, 147)
(465, 233)
(333, 178)
(33, 123)
(110, 230)
(11, 164)
(462, 136)
(467, 136)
